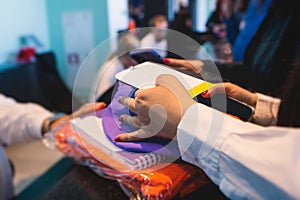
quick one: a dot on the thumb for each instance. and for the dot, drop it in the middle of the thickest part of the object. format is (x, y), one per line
(194, 65)
(88, 108)
(217, 89)
(100, 106)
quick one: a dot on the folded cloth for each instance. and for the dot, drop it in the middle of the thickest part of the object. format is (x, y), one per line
(173, 180)
(113, 127)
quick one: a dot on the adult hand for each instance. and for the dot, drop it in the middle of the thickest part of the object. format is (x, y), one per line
(194, 66)
(233, 91)
(83, 110)
(87, 108)
(159, 109)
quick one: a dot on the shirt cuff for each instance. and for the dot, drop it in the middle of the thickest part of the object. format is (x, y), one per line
(37, 117)
(266, 110)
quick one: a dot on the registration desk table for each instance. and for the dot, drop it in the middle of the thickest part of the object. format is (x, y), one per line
(67, 180)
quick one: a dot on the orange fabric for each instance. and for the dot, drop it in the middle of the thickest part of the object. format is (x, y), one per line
(236, 117)
(175, 179)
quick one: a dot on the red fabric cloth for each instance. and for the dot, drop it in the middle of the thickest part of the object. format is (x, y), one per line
(175, 179)
(26, 55)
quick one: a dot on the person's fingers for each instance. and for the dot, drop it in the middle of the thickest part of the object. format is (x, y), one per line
(100, 106)
(137, 93)
(240, 94)
(133, 136)
(180, 64)
(195, 65)
(176, 63)
(233, 91)
(88, 108)
(183, 69)
(205, 94)
(217, 89)
(128, 102)
(130, 120)
(172, 62)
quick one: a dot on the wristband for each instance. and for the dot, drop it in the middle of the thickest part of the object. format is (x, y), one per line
(50, 120)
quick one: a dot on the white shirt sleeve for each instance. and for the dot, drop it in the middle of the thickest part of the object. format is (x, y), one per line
(20, 122)
(105, 78)
(159, 47)
(245, 160)
(266, 110)
(147, 41)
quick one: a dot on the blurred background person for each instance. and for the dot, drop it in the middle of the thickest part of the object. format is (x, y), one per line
(183, 23)
(136, 12)
(230, 12)
(233, 15)
(270, 54)
(254, 16)
(115, 63)
(218, 46)
(156, 38)
(186, 46)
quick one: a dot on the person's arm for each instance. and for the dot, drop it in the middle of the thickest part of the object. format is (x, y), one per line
(236, 72)
(20, 122)
(246, 161)
(23, 122)
(266, 107)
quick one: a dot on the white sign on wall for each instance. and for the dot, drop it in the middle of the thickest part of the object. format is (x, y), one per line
(118, 19)
(78, 34)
